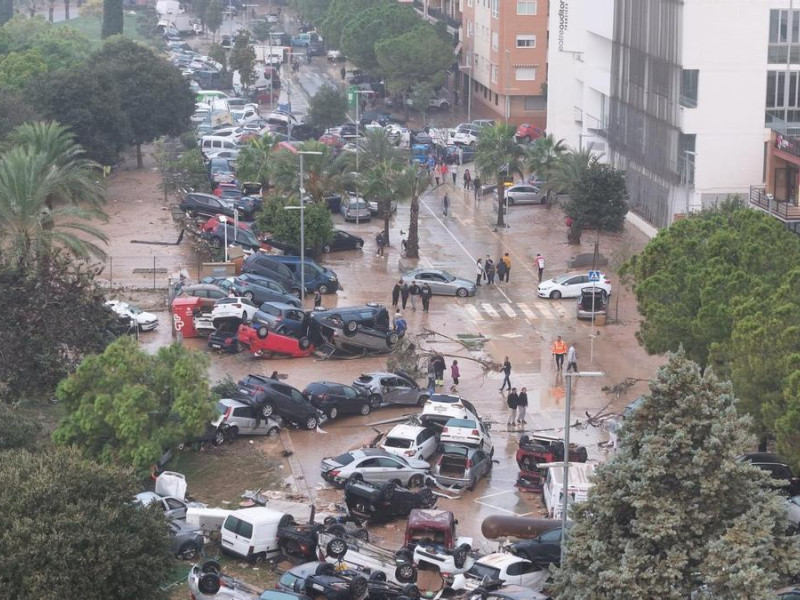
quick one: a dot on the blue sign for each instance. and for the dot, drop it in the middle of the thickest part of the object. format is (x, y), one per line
(594, 275)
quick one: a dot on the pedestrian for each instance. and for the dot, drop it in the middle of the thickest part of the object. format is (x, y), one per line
(404, 294)
(479, 272)
(501, 270)
(572, 359)
(455, 373)
(445, 171)
(380, 240)
(445, 205)
(467, 178)
(455, 97)
(439, 366)
(511, 402)
(308, 57)
(460, 153)
(522, 406)
(317, 299)
(506, 374)
(431, 378)
(274, 376)
(426, 294)
(454, 173)
(414, 291)
(539, 260)
(559, 351)
(486, 262)
(343, 73)
(396, 293)
(507, 261)
(490, 271)
(437, 174)
(400, 324)
(476, 186)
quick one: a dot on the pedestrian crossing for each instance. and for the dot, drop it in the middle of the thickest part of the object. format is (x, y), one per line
(487, 311)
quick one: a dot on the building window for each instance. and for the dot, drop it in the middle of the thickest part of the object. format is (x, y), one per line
(525, 73)
(535, 103)
(494, 73)
(527, 7)
(689, 82)
(686, 156)
(469, 2)
(469, 28)
(495, 40)
(496, 8)
(784, 37)
(783, 98)
(526, 41)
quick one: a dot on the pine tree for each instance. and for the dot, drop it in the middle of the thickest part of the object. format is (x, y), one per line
(674, 512)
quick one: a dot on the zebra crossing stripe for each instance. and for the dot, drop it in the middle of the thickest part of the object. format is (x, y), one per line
(489, 309)
(507, 309)
(527, 311)
(473, 312)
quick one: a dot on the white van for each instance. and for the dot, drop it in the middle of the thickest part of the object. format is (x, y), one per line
(213, 143)
(579, 484)
(206, 95)
(251, 533)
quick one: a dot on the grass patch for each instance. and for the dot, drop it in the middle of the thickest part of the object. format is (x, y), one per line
(90, 27)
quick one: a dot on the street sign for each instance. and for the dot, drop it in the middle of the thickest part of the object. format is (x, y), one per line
(594, 275)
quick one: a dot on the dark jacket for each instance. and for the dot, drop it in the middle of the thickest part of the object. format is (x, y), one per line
(414, 289)
(513, 400)
(396, 292)
(426, 292)
(522, 399)
(507, 368)
(501, 267)
(404, 290)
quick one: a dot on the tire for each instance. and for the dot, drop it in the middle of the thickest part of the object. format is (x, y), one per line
(325, 569)
(358, 586)
(416, 481)
(445, 106)
(396, 482)
(267, 409)
(328, 521)
(350, 328)
(583, 456)
(295, 292)
(427, 498)
(248, 295)
(326, 250)
(332, 413)
(462, 292)
(286, 521)
(219, 437)
(188, 551)
(311, 422)
(337, 547)
(365, 409)
(406, 573)
(392, 339)
(322, 289)
(525, 440)
(555, 295)
(404, 555)
(273, 432)
(375, 400)
(363, 534)
(423, 399)
(232, 434)
(379, 576)
(209, 584)
(411, 591)
(337, 529)
(304, 343)
(527, 139)
(262, 332)
(460, 555)
(211, 566)
(389, 490)
(192, 213)
(356, 477)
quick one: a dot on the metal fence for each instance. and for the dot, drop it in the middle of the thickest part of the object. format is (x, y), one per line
(147, 272)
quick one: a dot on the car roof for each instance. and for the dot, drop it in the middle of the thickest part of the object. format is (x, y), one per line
(147, 497)
(446, 398)
(202, 286)
(280, 305)
(500, 559)
(370, 452)
(405, 430)
(232, 403)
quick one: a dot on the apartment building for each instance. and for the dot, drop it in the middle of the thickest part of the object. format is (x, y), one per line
(694, 99)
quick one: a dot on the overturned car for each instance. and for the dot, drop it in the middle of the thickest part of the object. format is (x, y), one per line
(353, 330)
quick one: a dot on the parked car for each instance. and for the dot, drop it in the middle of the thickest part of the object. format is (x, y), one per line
(593, 302)
(343, 241)
(259, 289)
(349, 583)
(145, 321)
(208, 294)
(441, 282)
(385, 502)
(431, 542)
(392, 388)
(466, 135)
(334, 399)
(375, 466)
(540, 449)
(273, 397)
(542, 550)
(186, 541)
(235, 418)
(172, 507)
(440, 408)
(353, 329)
(461, 467)
(265, 265)
(195, 203)
(778, 469)
(501, 569)
(225, 336)
(355, 209)
(207, 582)
(241, 308)
(375, 207)
(316, 277)
(265, 344)
(219, 234)
(467, 432)
(411, 441)
(527, 133)
(481, 123)
(282, 318)
(569, 285)
(522, 193)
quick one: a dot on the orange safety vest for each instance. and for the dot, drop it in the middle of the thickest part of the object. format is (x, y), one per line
(559, 347)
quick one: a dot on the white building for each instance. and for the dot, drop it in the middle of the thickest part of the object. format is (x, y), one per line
(675, 93)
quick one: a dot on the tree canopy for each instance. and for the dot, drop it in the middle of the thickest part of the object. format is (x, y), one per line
(598, 200)
(674, 512)
(126, 406)
(285, 224)
(497, 153)
(243, 59)
(382, 21)
(327, 108)
(415, 57)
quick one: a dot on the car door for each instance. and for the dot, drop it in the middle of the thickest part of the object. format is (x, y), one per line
(550, 546)
(300, 406)
(349, 400)
(394, 469)
(426, 441)
(244, 419)
(531, 575)
(440, 285)
(400, 391)
(572, 287)
(371, 470)
(174, 508)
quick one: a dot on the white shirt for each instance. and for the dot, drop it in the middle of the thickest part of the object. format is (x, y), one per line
(572, 356)
(479, 268)
(540, 262)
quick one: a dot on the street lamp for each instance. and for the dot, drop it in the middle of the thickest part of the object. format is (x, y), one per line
(686, 155)
(565, 489)
(358, 145)
(468, 68)
(224, 221)
(302, 209)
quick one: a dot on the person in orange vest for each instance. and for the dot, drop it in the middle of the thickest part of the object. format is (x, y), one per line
(559, 352)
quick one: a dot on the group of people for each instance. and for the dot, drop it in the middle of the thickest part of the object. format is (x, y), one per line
(402, 291)
(561, 351)
(486, 269)
(436, 369)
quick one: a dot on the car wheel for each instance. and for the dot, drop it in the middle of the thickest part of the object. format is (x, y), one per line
(267, 409)
(378, 576)
(363, 534)
(336, 530)
(411, 591)
(510, 200)
(583, 456)
(188, 551)
(326, 569)
(209, 584)
(273, 432)
(423, 399)
(445, 106)
(525, 440)
(406, 573)
(350, 328)
(375, 401)
(427, 498)
(296, 292)
(326, 249)
(337, 547)
(416, 481)
(262, 332)
(462, 292)
(332, 413)
(304, 343)
(365, 409)
(215, 242)
(460, 555)
(555, 295)
(211, 566)
(392, 339)
(355, 478)
(527, 139)
(358, 586)
(219, 437)
(323, 289)
(248, 295)
(192, 213)
(232, 433)
(311, 423)
(359, 245)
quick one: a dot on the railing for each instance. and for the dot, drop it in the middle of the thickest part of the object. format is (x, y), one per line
(780, 209)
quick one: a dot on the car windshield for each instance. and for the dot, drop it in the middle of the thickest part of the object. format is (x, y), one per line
(393, 442)
(287, 580)
(462, 423)
(221, 408)
(480, 571)
(448, 276)
(436, 535)
(562, 278)
(134, 310)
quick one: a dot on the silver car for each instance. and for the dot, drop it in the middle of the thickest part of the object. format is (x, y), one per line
(522, 193)
(442, 283)
(391, 388)
(461, 467)
(374, 465)
(236, 418)
(186, 540)
(355, 209)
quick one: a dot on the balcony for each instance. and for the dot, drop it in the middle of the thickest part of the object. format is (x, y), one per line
(440, 14)
(781, 210)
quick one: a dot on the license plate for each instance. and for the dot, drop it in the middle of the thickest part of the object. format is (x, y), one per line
(216, 346)
(439, 408)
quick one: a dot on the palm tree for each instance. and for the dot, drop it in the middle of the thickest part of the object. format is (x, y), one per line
(322, 174)
(416, 181)
(29, 228)
(569, 169)
(543, 154)
(497, 153)
(253, 161)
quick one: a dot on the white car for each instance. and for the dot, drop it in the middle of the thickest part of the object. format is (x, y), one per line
(467, 432)
(145, 320)
(230, 154)
(503, 567)
(241, 308)
(440, 408)
(172, 507)
(569, 285)
(411, 441)
(465, 134)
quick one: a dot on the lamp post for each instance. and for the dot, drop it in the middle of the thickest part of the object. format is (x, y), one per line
(686, 155)
(358, 144)
(565, 489)
(302, 209)
(468, 68)
(224, 221)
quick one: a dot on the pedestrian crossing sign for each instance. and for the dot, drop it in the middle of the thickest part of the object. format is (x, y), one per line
(594, 275)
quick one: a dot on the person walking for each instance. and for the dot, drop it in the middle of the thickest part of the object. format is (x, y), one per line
(455, 373)
(522, 406)
(467, 177)
(506, 374)
(511, 401)
(539, 261)
(317, 299)
(572, 359)
(501, 270)
(490, 271)
(445, 171)
(439, 366)
(559, 351)
(486, 262)
(431, 378)
(437, 174)
(343, 73)
(396, 293)
(380, 241)
(445, 205)
(400, 324)
(404, 294)
(476, 187)
(507, 262)
(426, 294)
(413, 292)
(454, 173)
(479, 272)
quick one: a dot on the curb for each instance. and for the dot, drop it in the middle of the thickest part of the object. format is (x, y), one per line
(294, 464)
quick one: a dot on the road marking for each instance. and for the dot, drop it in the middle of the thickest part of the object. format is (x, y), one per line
(507, 309)
(488, 308)
(473, 312)
(452, 235)
(526, 311)
(548, 314)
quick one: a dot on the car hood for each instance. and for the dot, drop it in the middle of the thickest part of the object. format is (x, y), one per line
(546, 285)
(145, 317)
(462, 283)
(418, 464)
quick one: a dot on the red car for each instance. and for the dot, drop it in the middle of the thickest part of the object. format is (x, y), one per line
(264, 343)
(212, 222)
(334, 141)
(527, 132)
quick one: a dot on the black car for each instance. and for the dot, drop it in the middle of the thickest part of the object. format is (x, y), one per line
(208, 205)
(235, 236)
(375, 116)
(386, 502)
(273, 397)
(266, 266)
(778, 469)
(353, 329)
(348, 130)
(542, 550)
(225, 337)
(348, 584)
(263, 289)
(336, 398)
(305, 132)
(341, 241)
